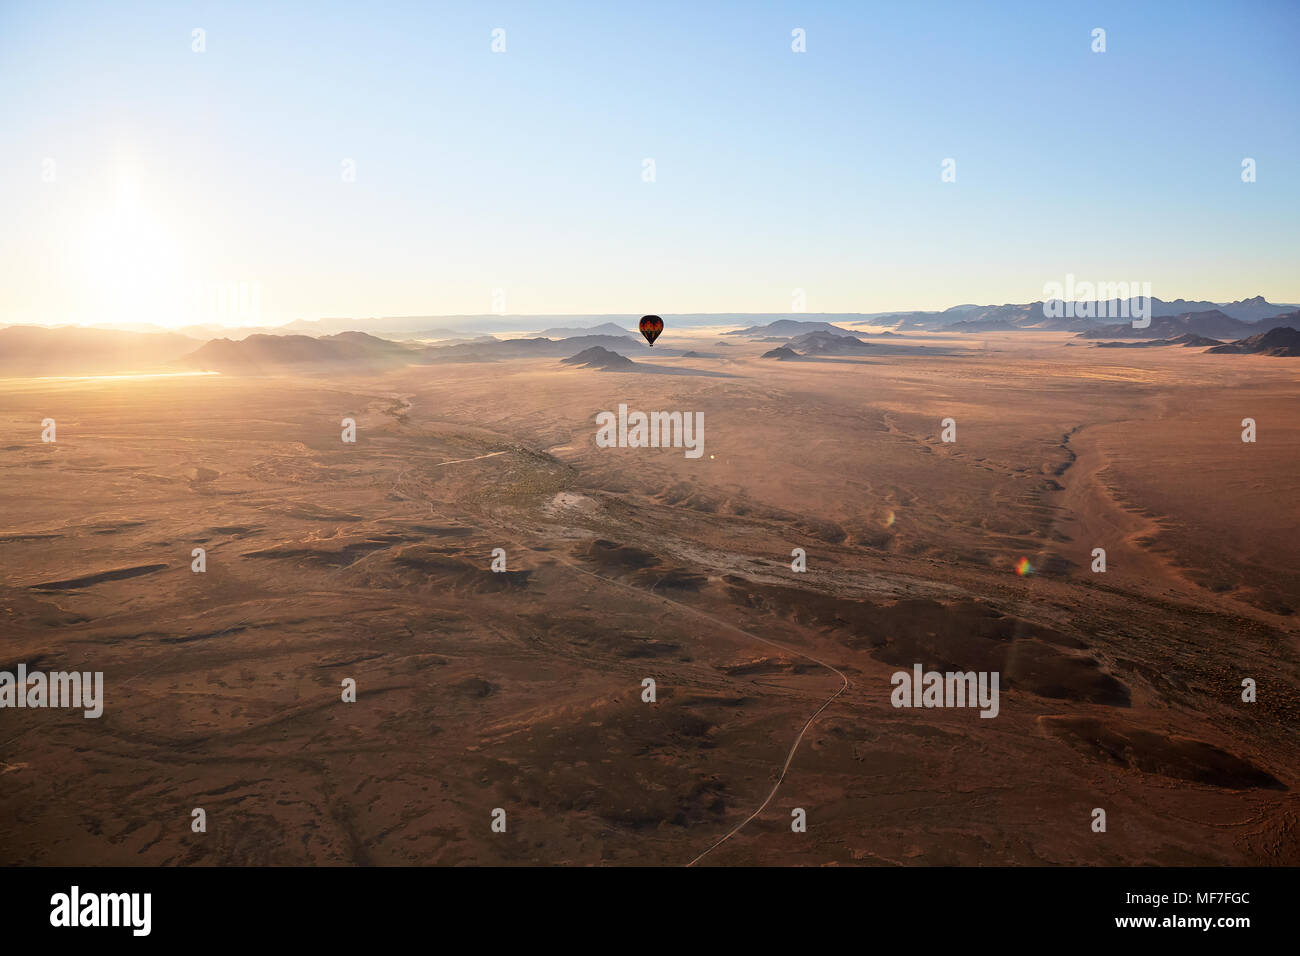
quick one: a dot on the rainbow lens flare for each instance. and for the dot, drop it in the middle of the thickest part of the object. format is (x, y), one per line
(1023, 567)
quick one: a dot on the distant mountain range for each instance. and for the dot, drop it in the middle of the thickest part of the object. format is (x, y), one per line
(81, 350)
(76, 350)
(1073, 317)
(605, 328)
(405, 326)
(35, 350)
(1212, 323)
(1254, 309)
(1029, 316)
(539, 348)
(271, 353)
(965, 317)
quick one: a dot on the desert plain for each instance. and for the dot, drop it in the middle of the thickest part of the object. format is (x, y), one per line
(522, 690)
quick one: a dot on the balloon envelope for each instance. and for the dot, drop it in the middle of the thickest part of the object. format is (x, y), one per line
(651, 326)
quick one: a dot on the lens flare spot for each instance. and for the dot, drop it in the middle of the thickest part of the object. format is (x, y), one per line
(1023, 567)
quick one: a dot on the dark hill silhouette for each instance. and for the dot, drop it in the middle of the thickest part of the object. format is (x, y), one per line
(1187, 341)
(788, 327)
(604, 360)
(597, 357)
(1283, 341)
(826, 343)
(1211, 324)
(782, 354)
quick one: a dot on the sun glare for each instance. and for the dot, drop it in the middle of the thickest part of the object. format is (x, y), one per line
(132, 263)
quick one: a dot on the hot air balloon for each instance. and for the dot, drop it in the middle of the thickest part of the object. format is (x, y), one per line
(651, 326)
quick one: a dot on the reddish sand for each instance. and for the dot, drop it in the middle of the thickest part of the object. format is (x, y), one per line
(523, 690)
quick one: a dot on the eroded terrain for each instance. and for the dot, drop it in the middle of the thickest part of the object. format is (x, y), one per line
(522, 690)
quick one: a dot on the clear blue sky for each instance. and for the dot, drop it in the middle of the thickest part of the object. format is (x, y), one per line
(522, 171)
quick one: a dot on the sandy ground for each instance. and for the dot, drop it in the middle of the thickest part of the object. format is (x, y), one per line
(523, 690)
